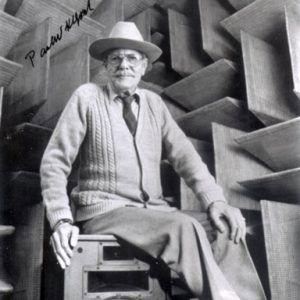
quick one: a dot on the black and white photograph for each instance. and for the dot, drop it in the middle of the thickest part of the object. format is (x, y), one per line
(149, 149)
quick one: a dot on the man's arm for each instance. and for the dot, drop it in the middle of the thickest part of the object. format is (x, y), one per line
(55, 168)
(189, 165)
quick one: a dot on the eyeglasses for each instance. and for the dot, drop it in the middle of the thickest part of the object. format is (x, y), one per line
(116, 60)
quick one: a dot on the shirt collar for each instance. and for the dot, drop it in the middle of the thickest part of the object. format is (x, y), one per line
(115, 97)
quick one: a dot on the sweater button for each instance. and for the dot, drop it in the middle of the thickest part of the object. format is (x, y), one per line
(144, 196)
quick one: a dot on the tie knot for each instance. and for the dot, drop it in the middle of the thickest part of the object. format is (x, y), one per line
(128, 99)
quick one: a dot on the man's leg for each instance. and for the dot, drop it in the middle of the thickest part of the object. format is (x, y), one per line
(176, 238)
(233, 259)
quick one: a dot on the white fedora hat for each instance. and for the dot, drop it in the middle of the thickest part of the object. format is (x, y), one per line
(125, 35)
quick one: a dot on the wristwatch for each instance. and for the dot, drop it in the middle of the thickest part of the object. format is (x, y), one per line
(62, 221)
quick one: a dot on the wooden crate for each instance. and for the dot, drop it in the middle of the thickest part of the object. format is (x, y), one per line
(263, 19)
(280, 186)
(207, 85)
(227, 111)
(281, 223)
(29, 89)
(277, 146)
(269, 93)
(186, 54)
(292, 15)
(35, 11)
(215, 40)
(10, 30)
(233, 164)
(74, 61)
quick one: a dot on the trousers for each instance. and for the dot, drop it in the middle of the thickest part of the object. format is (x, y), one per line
(190, 246)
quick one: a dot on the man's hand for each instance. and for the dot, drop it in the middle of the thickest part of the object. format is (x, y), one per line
(63, 240)
(232, 215)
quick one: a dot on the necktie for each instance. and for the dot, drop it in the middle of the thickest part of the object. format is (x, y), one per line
(128, 114)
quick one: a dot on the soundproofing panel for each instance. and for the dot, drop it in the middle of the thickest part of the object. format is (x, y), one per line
(227, 111)
(280, 186)
(8, 71)
(292, 14)
(207, 85)
(281, 223)
(278, 145)
(215, 40)
(72, 60)
(29, 89)
(10, 30)
(62, 27)
(186, 54)
(268, 86)
(263, 19)
(233, 164)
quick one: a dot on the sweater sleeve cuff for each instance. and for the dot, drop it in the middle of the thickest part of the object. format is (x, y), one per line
(59, 215)
(208, 198)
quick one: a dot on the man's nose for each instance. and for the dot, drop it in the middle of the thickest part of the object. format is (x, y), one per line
(124, 63)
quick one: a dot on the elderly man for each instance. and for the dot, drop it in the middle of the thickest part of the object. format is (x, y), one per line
(119, 131)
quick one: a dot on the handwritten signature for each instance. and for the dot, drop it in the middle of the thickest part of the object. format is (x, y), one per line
(76, 18)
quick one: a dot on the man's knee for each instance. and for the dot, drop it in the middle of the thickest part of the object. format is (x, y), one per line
(182, 220)
(186, 225)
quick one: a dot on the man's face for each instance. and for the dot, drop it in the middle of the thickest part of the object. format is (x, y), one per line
(125, 68)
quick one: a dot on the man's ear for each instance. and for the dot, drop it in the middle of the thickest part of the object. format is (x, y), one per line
(145, 66)
(104, 63)
(149, 68)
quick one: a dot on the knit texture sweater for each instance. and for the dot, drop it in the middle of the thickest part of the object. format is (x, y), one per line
(115, 167)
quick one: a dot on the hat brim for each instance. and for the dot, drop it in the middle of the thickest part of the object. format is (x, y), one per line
(99, 47)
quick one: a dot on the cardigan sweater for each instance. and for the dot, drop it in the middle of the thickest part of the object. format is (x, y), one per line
(117, 169)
